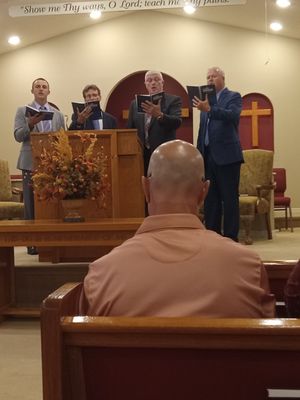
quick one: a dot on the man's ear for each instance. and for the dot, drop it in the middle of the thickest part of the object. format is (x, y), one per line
(203, 192)
(146, 190)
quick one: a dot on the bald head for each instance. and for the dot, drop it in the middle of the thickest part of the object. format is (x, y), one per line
(217, 70)
(175, 180)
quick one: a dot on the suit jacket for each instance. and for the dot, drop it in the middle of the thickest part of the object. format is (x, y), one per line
(224, 117)
(109, 122)
(160, 131)
(22, 134)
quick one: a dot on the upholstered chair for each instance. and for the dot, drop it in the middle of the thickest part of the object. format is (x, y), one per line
(9, 209)
(281, 201)
(256, 185)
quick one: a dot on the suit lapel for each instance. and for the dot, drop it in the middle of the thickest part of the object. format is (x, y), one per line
(54, 119)
(222, 96)
(105, 121)
(141, 122)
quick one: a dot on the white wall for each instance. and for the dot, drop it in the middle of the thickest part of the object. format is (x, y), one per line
(179, 46)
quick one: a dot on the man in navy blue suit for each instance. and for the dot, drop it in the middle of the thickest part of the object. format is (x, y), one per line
(81, 120)
(219, 144)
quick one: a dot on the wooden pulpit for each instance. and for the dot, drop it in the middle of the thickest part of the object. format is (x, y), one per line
(125, 198)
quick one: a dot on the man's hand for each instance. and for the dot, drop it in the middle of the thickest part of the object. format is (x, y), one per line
(34, 119)
(151, 109)
(201, 105)
(84, 114)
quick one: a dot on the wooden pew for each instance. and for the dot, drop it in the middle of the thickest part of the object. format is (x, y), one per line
(91, 358)
(278, 273)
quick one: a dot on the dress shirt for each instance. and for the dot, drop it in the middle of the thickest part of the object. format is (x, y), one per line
(174, 267)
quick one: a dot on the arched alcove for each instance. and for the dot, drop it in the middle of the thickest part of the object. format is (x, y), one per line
(257, 122)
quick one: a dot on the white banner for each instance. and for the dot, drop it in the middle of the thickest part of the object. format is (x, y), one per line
(85, 7)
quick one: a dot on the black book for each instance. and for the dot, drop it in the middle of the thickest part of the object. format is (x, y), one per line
(31, 111)
(95, 106)
(141, 98)
(201, 92)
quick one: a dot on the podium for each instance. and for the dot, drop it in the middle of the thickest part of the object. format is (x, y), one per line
(124, 200)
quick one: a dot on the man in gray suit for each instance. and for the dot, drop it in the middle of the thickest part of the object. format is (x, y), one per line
(24, 125)
(158, 122)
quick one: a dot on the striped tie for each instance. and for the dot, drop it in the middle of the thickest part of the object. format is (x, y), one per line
(147, 125)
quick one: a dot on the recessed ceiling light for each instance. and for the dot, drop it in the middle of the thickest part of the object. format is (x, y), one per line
(189, 8)
(14, 40)
(283, 3)
(276, 26)
(95, 14)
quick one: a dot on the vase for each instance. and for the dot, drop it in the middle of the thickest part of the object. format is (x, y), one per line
(72, 209)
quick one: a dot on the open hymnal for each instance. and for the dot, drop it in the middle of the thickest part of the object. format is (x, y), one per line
(94, 105)
(202, 92)
(153, 98)
(31, 111)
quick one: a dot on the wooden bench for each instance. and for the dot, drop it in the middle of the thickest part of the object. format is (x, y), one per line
(278, 273)
(91, 358)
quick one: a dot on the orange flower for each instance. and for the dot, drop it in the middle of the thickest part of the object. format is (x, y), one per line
(61, 175)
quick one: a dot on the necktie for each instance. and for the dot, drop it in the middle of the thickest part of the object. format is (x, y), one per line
(46, 124)
(147, 125)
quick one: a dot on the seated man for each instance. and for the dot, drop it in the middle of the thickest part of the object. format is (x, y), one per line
(81, 120)
(173, 266)
(292, 293)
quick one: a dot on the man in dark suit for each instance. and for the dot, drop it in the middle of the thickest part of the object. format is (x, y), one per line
(219, 143)
(158, 123)
(81, 120)
(23, 127)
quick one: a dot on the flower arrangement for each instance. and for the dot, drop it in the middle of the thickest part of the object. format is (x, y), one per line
(63, 175)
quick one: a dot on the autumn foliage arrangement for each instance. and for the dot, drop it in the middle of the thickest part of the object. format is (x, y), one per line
(63, 175)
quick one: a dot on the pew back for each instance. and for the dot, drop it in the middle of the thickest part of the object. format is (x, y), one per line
(278, 273)
(91, 358)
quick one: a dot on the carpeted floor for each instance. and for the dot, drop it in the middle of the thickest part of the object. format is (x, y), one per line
(285, 245)
(20, 360)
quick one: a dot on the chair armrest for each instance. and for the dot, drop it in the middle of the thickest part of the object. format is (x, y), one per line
(19, 192)
(260, 188)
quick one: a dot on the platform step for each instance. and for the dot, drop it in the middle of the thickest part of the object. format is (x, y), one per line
(22, 312)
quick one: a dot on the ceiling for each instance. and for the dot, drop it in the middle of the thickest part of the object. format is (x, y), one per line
(252, 16)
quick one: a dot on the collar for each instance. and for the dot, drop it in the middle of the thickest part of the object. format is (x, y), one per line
(37, 106)
(169, 221)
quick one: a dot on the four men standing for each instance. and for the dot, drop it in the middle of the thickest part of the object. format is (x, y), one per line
(218, 139)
